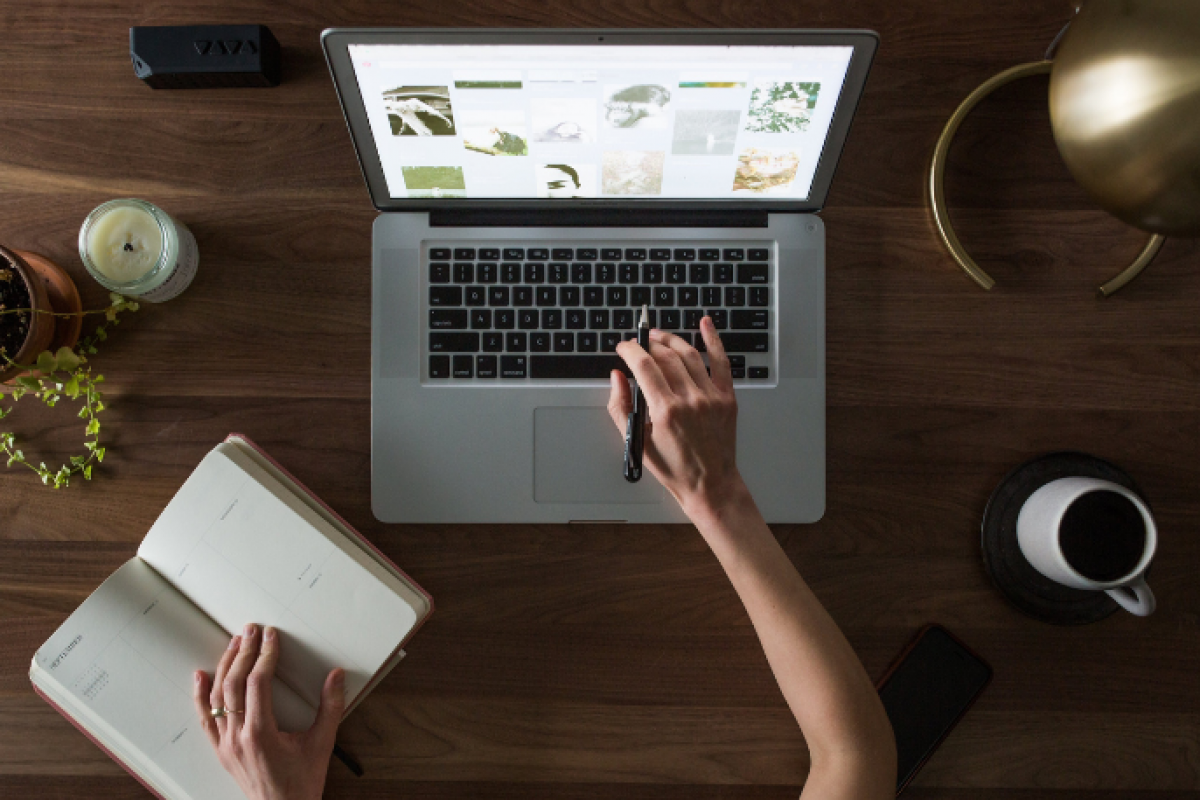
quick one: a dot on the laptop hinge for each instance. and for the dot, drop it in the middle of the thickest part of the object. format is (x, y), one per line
(596, 218)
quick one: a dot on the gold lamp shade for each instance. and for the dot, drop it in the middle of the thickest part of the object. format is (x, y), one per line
(1125, 108)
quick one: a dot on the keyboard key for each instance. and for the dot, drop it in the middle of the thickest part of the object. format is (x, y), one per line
(611, 254)
(744, 342)
(481, 319)
(593, 295)
(587, 254)
(527, 319)
(737, 361)
(759, 373)
(689, 296)
(652, 273)
(513, 366)
(710, 254)
(752, 273)
(581, 273)
(712, 295)
(564, 342)
(568, 296)
(487, 271)
(664, 296)
(552, 319)
(759, 254)
(685, 335)
(535, 273)
(587, 341)
(514, 253)
(464, 273)
(576, 319)
(609, 342)
(547, 295)
(447, 318)
(522, 295)
(629, 336)
(639, 296)
(598, 319)
(516, 342)
(440, 342)
(700, 273)
(670, 319)
(735, 295)
(685, 254)
(720, 318)
(660, 254)
(537, 254)
(475, 295)
(498, 296)
(485, 366)
(505, 319)
(748, 320)
(635, 254)
(606, 273)
(691, 319)
(445, 295)
(439, 366)
(563, 253)
(575, 367)
(493, 342)
(737, 373)
(510, 273)
(653, 321)
(540, 342)
(629, 273)
(439, 272)
(467, 253)
(622, 319)
(734, 254)
(722, 273)
(558, 272)
(439, 253)
(676, 273)
(618, 296)
(759, 295)
(489, 254)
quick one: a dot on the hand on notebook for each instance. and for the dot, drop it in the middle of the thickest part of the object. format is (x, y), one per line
(267, 763)
(692, 431)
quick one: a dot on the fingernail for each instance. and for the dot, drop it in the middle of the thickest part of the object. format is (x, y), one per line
(251, 629)
(269, 633)
(234, 642)
(197, 677)
(339, 680)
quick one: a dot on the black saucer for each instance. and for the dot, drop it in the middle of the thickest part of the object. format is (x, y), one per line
(1025, 587)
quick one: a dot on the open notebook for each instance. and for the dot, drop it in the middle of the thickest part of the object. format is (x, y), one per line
(241, 541)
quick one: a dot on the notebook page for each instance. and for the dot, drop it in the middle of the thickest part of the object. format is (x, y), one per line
(243, 553)
(122, 665)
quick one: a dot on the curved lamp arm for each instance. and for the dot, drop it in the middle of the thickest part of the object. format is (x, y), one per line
(937, 189)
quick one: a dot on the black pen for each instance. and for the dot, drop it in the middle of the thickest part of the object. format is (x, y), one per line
(635, 423)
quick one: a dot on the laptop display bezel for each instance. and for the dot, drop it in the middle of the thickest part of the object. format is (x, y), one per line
(336, 44)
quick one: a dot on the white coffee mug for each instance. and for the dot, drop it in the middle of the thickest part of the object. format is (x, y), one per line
(1039, 532)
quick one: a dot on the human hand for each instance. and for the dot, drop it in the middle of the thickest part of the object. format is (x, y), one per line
(691, 431)
(267, 763)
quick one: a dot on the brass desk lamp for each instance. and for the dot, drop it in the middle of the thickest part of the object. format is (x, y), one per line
(1125, 110)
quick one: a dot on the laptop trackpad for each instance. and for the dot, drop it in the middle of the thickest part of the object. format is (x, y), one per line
(577, 458)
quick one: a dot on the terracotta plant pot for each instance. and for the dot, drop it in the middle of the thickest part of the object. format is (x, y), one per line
(41, 326)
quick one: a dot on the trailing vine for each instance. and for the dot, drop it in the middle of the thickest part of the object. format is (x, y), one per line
(65, 374)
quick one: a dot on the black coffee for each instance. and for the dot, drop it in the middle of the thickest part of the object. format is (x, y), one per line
(1103, 535)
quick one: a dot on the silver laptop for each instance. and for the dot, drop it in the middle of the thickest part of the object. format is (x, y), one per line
(537, 187)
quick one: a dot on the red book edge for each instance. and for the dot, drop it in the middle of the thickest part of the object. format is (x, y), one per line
(97, 742)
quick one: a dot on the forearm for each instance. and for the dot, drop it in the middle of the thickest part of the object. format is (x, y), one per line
(821, 677)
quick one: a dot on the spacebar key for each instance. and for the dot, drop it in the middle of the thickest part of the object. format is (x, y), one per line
(575, 367)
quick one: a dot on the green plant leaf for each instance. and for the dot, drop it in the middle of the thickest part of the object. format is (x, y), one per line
(100, 451)
(87, 472)
(71, 388)
(66, 358)
(29, 383)
(46, 362)
(93, 427)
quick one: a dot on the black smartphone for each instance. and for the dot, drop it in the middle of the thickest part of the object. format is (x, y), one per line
(926, 691)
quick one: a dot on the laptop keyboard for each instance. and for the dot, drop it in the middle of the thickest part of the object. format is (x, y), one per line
(519, 313)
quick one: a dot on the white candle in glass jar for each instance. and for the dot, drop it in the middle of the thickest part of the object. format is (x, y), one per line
(137, 249)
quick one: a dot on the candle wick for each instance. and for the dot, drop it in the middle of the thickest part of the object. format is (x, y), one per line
(128, 247)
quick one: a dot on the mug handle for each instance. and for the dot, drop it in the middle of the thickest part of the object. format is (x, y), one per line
(1141, 604)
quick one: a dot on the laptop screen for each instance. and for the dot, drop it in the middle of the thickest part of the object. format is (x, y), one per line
(530, 121)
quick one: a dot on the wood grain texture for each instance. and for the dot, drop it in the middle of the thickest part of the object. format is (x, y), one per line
(613, 661)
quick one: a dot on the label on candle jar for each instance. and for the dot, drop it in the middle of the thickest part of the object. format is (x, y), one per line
(182, 273)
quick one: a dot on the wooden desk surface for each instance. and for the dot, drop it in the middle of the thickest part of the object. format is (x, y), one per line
(616, 662)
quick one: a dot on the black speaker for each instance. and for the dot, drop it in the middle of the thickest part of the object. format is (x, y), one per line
(204, 56)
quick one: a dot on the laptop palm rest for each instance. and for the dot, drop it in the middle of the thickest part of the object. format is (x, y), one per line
(577, 458)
